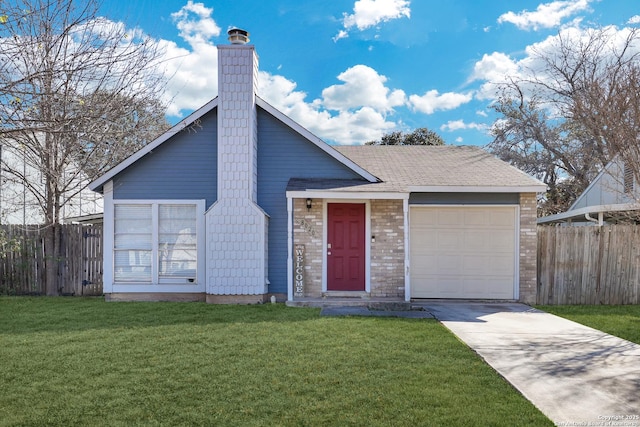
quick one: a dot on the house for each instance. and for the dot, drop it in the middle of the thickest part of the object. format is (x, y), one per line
(249, 205)
(21, 181)
(612, 196)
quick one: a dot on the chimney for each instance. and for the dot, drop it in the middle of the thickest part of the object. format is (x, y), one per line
(237, 121)
(236, 226)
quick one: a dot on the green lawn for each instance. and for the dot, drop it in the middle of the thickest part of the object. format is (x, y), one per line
(73, 361)
(620, 320)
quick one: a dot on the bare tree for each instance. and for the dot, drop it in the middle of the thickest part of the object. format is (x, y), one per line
(78, 93)
(572, 111)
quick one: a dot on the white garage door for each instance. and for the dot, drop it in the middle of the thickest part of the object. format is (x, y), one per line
(463, 252)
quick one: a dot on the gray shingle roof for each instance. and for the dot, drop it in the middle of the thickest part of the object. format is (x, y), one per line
(402, 167)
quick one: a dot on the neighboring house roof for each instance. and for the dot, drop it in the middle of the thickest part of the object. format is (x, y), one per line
(97, 218)
(604, 199)
(97, 184)
(437, 169)
(602, 213)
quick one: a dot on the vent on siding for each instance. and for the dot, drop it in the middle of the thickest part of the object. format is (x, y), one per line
(628, 177)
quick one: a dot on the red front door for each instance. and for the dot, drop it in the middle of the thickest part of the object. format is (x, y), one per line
(345, 247)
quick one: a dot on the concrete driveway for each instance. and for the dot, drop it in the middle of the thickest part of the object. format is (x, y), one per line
(574, 374)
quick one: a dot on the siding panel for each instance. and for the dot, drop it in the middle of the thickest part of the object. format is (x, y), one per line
(184, 167)
(284, 154)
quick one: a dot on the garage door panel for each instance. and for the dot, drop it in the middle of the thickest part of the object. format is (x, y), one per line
(474, 264)
(502, 263)
(426, 220)
(449, 240)
(463, 252)
(447, 287)
(475, 217)
(476, 240)
(504, 219)
(449, 217)
(447, 264)
(501, 242)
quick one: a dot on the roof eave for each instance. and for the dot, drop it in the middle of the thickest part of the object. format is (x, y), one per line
(477, 188)
(582, 212)
(345, 194)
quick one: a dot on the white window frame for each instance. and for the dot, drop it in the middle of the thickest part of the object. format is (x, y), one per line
(157, 284)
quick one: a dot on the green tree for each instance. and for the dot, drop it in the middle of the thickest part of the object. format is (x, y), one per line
(420, 136)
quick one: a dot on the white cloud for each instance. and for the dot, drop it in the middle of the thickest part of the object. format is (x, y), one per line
(453, 125)
(634, 20)
(459, 140)
(369, 13)
(358, 108)
(354, 122)
(547, 15)
(493, 69)
(362, 86)
(352, 112)
(195, 23)
(482, 113)
(498, 68)
(193, 70)
(342, 34)
(432, 101)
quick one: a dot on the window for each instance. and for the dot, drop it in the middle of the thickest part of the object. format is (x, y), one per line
(132, 243)
(177, 250)
(155, 242)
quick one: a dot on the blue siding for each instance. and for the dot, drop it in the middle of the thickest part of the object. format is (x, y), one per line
(184, 167)
(284, 154)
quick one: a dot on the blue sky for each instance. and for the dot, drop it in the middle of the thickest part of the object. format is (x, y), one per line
(352, 70)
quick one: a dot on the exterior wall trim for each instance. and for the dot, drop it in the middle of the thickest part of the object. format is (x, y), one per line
(289, 249)
(108, 239)
(516, 284)
(407, 255)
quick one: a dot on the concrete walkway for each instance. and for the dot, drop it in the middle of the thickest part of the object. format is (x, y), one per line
(574, 374)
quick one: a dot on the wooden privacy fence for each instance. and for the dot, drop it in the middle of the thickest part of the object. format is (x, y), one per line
(22, 260)
(589, 265)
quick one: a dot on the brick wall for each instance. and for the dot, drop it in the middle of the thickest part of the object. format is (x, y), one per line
(307, 231)
(387, 252)
(528, 248)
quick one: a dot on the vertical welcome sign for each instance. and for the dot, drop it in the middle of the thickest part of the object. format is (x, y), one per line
(298, 270)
